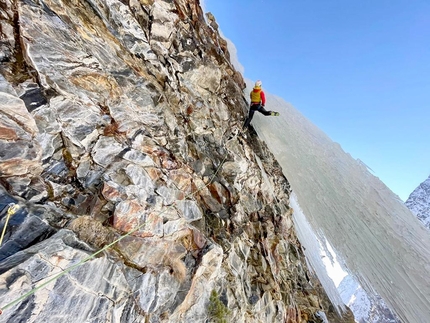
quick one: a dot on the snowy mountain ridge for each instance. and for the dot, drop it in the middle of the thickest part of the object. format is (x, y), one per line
(419, 202)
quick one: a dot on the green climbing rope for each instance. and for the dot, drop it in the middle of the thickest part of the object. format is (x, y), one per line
(31, 292)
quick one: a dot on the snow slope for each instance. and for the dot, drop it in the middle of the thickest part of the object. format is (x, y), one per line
(366, 309)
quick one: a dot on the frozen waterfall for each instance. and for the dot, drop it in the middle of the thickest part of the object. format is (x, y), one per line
(379, 240)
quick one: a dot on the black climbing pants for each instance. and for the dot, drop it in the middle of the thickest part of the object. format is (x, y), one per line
(255, 107)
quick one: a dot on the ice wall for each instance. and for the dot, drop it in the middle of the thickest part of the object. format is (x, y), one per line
(379, 239)
(312, 250)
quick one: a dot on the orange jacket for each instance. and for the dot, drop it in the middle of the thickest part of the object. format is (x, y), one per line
(257, 96)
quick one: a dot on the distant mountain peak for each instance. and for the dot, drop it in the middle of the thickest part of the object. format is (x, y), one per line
(419, 202)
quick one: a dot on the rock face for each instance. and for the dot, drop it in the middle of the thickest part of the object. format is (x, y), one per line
(419, 202)
(128, 192)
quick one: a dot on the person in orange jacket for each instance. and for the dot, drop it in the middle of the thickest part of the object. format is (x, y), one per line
(258, 101)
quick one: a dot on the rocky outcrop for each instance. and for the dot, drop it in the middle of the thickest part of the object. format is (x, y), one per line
(139, 199)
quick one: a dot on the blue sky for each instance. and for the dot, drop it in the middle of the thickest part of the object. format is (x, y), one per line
(359, 70)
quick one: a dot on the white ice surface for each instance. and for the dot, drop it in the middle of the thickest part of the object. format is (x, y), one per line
(378, 239)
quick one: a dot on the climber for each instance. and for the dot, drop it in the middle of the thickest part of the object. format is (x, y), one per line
(258, 100)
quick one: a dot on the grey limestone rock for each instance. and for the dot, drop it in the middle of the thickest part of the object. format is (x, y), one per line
(120, 135)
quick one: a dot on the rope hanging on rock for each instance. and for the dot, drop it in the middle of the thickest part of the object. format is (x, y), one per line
(14, 208)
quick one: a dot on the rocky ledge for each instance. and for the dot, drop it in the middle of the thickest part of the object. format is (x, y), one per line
(127, 191)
